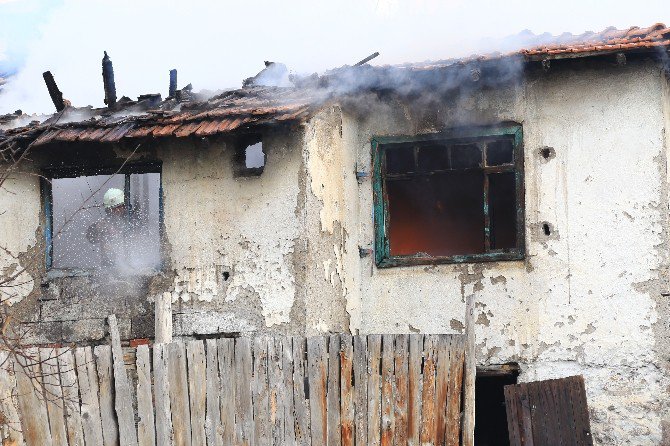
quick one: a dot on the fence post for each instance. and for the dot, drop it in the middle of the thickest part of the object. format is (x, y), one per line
(469, 375)
(163, 304)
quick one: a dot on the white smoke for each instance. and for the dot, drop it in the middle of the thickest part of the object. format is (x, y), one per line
(214, 45)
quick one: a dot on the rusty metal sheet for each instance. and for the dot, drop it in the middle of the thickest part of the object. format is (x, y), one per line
(116, 133)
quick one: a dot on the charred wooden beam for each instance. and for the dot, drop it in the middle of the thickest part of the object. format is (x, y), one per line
(173, 84)
(367, 59)
(108, 81)
(54, 92)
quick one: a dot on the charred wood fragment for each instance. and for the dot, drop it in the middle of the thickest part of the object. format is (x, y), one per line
(108, 81)
(54, 92)
(173, 84)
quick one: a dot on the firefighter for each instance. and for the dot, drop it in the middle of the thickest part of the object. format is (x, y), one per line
(109, 232)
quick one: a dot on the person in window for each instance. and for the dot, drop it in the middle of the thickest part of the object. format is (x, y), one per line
(109, 232)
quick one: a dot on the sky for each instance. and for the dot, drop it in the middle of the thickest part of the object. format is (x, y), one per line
(216, 44)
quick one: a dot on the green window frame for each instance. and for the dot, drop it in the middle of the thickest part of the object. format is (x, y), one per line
(481, 136)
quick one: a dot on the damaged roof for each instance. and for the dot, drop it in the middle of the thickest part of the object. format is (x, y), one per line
(190, 114)
(152, 117)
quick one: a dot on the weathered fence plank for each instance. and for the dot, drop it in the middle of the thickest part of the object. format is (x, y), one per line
(456, 362)
(12, 431)
(213, 430)
(414, 384)
(88, 392)
(146, 434)
(179, 402)
(470, 371)
(401, 358)
(103, 359)
(123, 402)
(261, 393)
(441, 389)
(361, 389)
(428, 396)
(197, 390)
(303, 434)
(388, 395)
(164, 431)
(68, 378)
(287, 394)
(244, 425)
(374, 390)
(317, 369)
(33, 410)
(227, 399)
(54, 396)
(333, 391)
(347, 390)
(276, 392)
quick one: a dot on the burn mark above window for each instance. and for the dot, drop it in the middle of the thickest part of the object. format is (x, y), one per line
(450, 198)
(249, 156)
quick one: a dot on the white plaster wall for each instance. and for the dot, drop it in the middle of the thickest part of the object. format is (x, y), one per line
(20, 204)
(584, 301)
(217, 223)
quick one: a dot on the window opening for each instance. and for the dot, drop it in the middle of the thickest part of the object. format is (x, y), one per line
(109, 223)
(250, 157)
(449, 200)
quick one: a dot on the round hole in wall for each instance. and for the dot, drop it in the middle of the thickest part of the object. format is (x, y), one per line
(226, 275)
(547, 152)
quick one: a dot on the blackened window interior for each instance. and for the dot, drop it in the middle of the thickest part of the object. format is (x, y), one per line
(106, 222)
(451, 198)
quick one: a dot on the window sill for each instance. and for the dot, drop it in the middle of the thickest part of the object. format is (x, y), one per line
(424, 259)
(58, 273)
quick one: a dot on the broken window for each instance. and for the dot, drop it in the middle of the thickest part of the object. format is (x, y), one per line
(108, 222)
(452, 199)
(249, 157)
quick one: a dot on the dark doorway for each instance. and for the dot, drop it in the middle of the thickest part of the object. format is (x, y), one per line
(490, 413)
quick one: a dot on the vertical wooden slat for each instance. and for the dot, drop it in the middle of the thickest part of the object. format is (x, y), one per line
(513, 415)
(333, 391)
(103, 359)
(303, 435)
(146, 433)
(213, 427)
(361, 389)
(553, 420)
(538, 417)
(8, 400)
(68, 378)
(179, 402)
(54, 396)
(287, 403)
(470, 370)
(347, 408)
(164, 431)
(441, 388)
(526, 416)
(414, 389)
(123, 402)
(163, 318)
(374, 390)
(197, 390)
(88, 391)
(456, 362)
(276, 392)
(317, 368)
(226, 354)
(388, 395)
(32, 407)
(564, 412)
(260, 396)
(244, 425)
(580, 410)
(401, 389)
(428, 392)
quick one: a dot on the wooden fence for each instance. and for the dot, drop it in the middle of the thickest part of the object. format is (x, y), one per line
(329, 390)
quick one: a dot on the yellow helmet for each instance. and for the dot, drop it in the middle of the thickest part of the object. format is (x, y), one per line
(113, 197)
